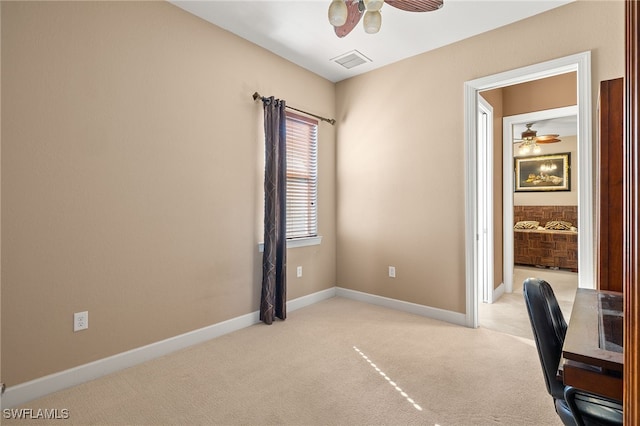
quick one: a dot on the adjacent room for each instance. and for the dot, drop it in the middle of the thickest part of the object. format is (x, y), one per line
(538, 206)
(135, 214)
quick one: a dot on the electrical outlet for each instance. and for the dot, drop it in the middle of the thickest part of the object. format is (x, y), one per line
(80, 321)
(392, 271)
(299, 271)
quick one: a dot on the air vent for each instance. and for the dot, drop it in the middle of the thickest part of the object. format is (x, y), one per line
(351, 59)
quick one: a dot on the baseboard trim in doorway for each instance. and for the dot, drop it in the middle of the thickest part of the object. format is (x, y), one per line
(498, 292)
(37, 388)
(400, 305)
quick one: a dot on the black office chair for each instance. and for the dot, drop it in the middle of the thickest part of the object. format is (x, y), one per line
(549, 329)
(589, 409)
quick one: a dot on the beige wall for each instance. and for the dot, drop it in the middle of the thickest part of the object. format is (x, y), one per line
(131, 178)
(538, 95)
(401, 149)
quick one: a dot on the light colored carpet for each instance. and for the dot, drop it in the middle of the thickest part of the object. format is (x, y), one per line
(509, 313)
(337, 362)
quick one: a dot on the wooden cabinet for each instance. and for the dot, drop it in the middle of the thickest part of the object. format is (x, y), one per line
(610, 191)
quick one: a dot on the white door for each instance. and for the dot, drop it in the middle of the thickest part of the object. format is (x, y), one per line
(485, 201)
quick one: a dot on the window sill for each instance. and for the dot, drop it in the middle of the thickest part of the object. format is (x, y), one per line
(297, 242)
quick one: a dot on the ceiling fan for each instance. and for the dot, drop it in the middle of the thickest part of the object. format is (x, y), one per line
(344, 15)
(530, 140)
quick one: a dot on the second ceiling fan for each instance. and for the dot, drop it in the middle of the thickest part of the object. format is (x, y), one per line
(530, 140)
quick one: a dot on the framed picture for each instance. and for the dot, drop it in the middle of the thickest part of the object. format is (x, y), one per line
(543, 173)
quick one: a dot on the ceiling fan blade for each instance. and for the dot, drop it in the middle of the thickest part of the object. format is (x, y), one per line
(416, 5)
(547, 139)
(353, 17)
(541, 139)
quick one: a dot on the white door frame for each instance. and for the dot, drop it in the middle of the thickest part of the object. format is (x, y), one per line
(508, 180)
(581, 64)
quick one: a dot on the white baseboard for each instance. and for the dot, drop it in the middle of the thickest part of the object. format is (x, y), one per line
(498, 292)
(413, 308)
(28, 391)
(310, 299)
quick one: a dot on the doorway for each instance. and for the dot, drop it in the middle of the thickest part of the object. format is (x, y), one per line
(555, 118)
(507, 313)
(579, 63)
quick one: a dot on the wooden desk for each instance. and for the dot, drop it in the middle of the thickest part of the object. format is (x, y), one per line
(592, 351)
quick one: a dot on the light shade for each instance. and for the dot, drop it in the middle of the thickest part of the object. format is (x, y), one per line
(338, 13)
(372, 22)
(373, 5)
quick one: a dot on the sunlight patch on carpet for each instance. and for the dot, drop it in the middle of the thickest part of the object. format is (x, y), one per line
(388, 379)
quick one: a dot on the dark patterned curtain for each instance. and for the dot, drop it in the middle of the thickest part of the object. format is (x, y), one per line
(274, 265)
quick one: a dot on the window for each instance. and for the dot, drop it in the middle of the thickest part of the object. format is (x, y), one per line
(302, 176)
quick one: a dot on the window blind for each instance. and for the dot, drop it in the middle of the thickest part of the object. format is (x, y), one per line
(302, 176)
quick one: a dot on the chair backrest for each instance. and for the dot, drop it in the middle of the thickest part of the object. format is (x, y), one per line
(549, 329)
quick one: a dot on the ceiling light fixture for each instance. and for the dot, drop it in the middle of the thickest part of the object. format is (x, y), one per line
(338, 13)
(372, 21)
(530, 141)
(344, 15)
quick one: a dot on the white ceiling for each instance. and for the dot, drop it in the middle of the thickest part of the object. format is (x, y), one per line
(562, 126)
(299, 30)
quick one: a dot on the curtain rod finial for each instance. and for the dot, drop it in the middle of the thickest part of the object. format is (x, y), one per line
(256, 95)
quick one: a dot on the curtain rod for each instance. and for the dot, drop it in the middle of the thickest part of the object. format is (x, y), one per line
(331, 121)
